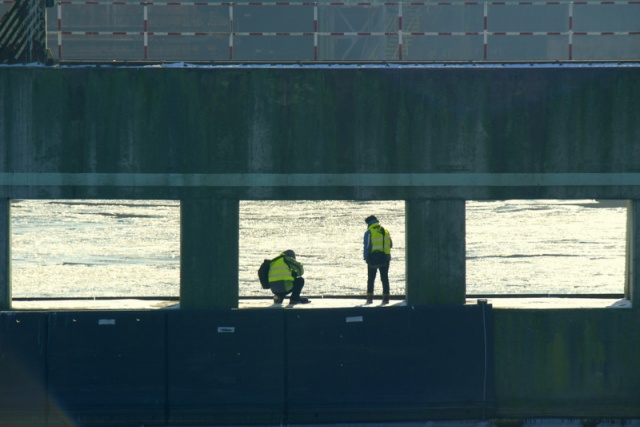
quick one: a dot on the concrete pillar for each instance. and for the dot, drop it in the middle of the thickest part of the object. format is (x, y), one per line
(435, 252)
(5, 254)
(632, 262)
(209, 252)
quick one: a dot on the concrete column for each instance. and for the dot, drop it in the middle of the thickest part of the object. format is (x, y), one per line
(5, 254)
(435, 252)
(209, 252)
(632, 262)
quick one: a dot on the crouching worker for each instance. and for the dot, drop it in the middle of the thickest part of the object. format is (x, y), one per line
(285, 277)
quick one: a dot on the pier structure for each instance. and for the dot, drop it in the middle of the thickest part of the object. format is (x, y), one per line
(433, 135)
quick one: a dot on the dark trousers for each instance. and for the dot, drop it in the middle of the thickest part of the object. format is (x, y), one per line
(298, 284)
(384, 277)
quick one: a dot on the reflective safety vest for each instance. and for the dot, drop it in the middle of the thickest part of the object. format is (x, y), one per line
(380, 239)
(279, 270)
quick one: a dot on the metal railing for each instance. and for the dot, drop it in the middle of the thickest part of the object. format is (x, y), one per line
(345, 31)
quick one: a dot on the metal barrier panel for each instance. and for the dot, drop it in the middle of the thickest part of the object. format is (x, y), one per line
(107, 367)
(347, 364)
(225, 366)
(452, 359)
(389, 364)
(22, 368)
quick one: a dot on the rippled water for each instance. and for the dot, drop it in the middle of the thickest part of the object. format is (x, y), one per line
(125, 248)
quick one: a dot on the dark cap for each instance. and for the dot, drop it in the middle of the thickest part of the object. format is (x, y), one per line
(290, 253)
(371, 220)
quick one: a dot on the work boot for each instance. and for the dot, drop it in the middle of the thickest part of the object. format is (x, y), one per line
(385, 299)
(278, 299)
(301, 300)
(369, 298)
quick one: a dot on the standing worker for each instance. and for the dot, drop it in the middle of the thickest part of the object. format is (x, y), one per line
(377, 255)
(285, 276)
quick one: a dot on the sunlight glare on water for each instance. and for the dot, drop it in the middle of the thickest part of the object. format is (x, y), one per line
(541, 247)
(97, 248)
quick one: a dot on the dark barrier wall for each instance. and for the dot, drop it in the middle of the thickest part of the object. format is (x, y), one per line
(350, 366)
(305, 366)
(300, 132)
(225, 367)
(106, 367)
(395, 364)
(23, 383)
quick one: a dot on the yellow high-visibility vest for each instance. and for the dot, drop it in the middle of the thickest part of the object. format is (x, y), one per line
(380, 239)
(279, 270)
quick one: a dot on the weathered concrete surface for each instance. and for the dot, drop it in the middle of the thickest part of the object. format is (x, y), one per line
(436, 265)
(321, 132)
(559, 363)
(209, 253)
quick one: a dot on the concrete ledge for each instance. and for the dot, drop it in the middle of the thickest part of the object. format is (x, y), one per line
(317, 302)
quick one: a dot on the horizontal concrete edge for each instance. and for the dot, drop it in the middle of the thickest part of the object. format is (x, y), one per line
(318, 179)
(318, 302)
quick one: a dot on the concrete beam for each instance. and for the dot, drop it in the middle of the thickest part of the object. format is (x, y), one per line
(356, 132)
(435, 252)
(209, 253)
